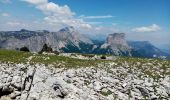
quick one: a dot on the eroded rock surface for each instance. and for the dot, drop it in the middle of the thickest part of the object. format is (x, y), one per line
(111, 82)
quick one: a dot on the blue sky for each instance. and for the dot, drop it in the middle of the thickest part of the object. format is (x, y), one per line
(145, 20)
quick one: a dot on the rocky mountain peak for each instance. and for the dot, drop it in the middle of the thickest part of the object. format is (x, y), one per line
(70, 39)
(43, 31)
(116, 44)
(69, 29)
(116, 38)
(24, 30)
(73, 36)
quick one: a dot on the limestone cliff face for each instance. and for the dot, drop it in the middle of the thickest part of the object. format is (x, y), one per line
(116, 44)
(34, 40)
(69, 40)
(116, 38)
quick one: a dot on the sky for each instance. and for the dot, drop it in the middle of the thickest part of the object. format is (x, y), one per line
(141, 20)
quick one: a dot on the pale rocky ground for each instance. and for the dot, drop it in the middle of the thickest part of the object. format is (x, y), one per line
(107, 81)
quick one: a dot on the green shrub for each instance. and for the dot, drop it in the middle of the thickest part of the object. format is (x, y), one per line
(25, 49)
(56, 52)
(46, 49)
(103, 57)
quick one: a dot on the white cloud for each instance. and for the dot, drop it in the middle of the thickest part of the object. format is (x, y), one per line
(94, 23)
(96, 17)
(36, 2)
(114, 24)
(13, 23)
(5, 14)
(152, 28)
(5, 1)
(56, 14)
(16, 24)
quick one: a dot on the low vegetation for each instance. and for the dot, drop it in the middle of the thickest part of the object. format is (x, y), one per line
(46, 49)
(155, 68)
(119, 77)
(63, 61)
(56, 60)
(24, 49)
(14, 56)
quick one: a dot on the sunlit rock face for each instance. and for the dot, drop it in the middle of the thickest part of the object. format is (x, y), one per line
(116, 38)
(34, 40)
(70, 40)
(67, 39)
(116, 44)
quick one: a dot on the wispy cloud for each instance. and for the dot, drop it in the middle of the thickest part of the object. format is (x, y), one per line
(5, 1)
(15, 24)
(114, 24)
(96, 17)
(36, 2)
(5, 14)
(56, 14)
(152, 28)
(94, 23)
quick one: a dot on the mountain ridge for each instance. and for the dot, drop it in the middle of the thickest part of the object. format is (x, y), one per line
(69, 40)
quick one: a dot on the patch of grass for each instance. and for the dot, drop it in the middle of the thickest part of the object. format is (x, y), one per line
(92, 55)
(58, 61)
(106, 93)
(151, 67)
(43, 80)
(64, 61)
(88, 55)
(67, 62)
(13, 56)
(68, 81)
(87, 82)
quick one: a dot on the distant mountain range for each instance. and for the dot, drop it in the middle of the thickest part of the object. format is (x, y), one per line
(165, 48)
(69, 40)
(146, 49)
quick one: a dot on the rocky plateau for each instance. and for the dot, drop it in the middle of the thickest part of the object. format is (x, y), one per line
(114, 80)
